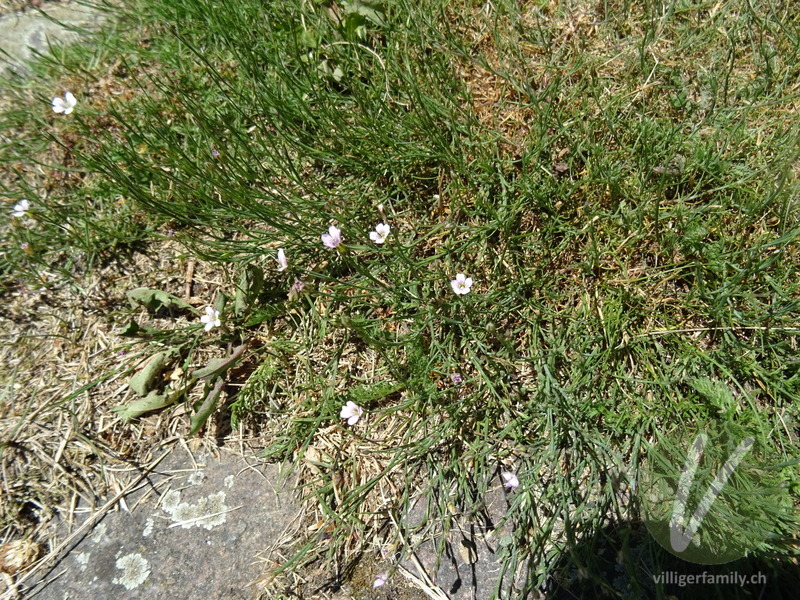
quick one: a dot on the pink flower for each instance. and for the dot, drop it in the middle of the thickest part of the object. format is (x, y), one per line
(352, 412)
(333, 238)
(510, 479)
(380, 580)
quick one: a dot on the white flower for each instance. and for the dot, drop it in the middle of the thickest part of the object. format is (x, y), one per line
(380, 580)
(20, 208)
(211, 318)
(510, 479)
(282, 264)
(333, 238)
(461, 284)
(65, 104)
(352, 412)
(380, 234)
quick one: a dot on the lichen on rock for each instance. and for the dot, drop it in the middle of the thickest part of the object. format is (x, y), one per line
(135, 571)
(207, 512)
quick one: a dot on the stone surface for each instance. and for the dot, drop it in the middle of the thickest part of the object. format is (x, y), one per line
(470, 567)
(196, 530)
(23, 34)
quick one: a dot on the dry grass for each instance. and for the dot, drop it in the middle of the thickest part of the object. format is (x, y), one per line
(64, 367)
(62, 443)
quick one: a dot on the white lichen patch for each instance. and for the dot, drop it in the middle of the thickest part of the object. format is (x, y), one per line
(83, 560)
(229, 481)
(206, 512)
(148, 528)
(99, 536)
(171, 500)
(135, 570)
(196, 478)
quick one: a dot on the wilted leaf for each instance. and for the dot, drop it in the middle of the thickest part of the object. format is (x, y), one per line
(142, 382)
(133, 329)
(153, 300)
(561, 169)
(218, 366)
(468, 551)
(153, 401)
(205, 409)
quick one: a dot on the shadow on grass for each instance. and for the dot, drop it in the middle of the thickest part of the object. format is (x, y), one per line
(624, 561)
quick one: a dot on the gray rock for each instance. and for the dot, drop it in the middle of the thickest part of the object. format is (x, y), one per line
(23, 34)
(470, 568)
(195, 531)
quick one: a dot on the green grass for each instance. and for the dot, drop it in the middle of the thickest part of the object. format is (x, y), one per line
(620, 180)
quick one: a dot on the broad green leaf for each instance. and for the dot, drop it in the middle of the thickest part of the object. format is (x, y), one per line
(204, 410)
(153, 300)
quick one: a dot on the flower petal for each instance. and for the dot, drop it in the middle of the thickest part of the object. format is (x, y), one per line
(510, 479)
